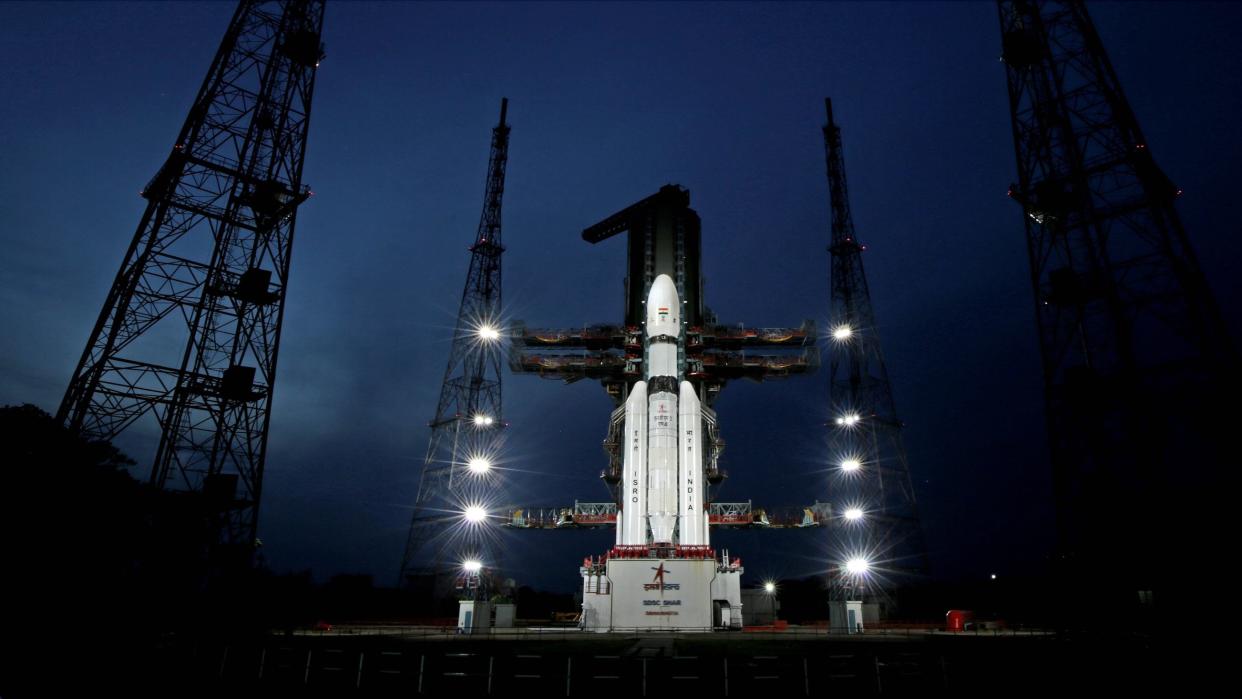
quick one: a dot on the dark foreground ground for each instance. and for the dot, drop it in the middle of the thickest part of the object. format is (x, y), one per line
(556, 664)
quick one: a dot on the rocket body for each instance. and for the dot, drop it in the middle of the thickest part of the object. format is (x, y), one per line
(663, 465)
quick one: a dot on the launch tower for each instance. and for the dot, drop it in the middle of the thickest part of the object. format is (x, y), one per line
(207, 271)
(1137, 360)
(871, 484)
(457, 468)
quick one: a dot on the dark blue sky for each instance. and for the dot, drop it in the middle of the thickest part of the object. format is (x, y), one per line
(608, 102)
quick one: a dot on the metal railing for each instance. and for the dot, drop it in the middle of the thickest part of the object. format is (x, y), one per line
(636, 664)
(571, 633)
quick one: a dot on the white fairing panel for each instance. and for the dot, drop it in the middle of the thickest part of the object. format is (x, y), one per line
(632, 523)
(693, 519)
(663, 309)
(661, 359)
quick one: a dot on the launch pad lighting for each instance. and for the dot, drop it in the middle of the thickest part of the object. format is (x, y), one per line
(853, 514)
(841, 333)
(475, 514)
(851, 465)
(472, 566)
(848, 420)
(769, 587)
(487, 332)
(483, 420)
(479, 465)
(857, 566)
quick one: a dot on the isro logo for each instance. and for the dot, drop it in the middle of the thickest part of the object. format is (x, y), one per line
(657, 582)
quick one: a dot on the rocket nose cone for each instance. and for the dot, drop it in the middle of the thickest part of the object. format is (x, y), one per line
(663, 284)
(663, 308)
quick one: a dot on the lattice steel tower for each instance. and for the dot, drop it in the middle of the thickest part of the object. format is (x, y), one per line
(468, 423)
(873, 497)
(1135, 354)
(207, 272)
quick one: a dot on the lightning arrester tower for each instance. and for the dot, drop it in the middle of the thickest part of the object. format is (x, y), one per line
(467, 425)
(1136, 358)
(874, 503)
(207, 272)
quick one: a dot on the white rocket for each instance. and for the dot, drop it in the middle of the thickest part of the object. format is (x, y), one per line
(663, 480)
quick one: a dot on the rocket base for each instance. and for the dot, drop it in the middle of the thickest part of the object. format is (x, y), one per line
(696, 593)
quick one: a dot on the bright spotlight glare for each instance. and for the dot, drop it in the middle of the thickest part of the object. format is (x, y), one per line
(853, 514)
(841, 333)
(851, 465)
(479, 465)
(472, 566)
(487, 332)
(769, 587)
(848, 420)
(857, 566)
(483, 420)
(475, 514)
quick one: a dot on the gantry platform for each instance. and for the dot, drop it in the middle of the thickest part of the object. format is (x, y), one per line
(738, 515)
(714, 353)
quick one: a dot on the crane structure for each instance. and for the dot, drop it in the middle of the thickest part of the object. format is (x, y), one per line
(872, 490)
(457, 469)
(189, 333)
(1136, 357)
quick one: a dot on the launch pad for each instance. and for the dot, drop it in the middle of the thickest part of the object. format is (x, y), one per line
(664, 367)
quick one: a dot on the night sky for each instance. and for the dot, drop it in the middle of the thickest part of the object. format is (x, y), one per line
(608, 103)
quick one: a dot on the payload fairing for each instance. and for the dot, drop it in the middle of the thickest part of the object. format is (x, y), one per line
(662, 473)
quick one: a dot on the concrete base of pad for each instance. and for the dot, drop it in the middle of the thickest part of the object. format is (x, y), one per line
(661, 594)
